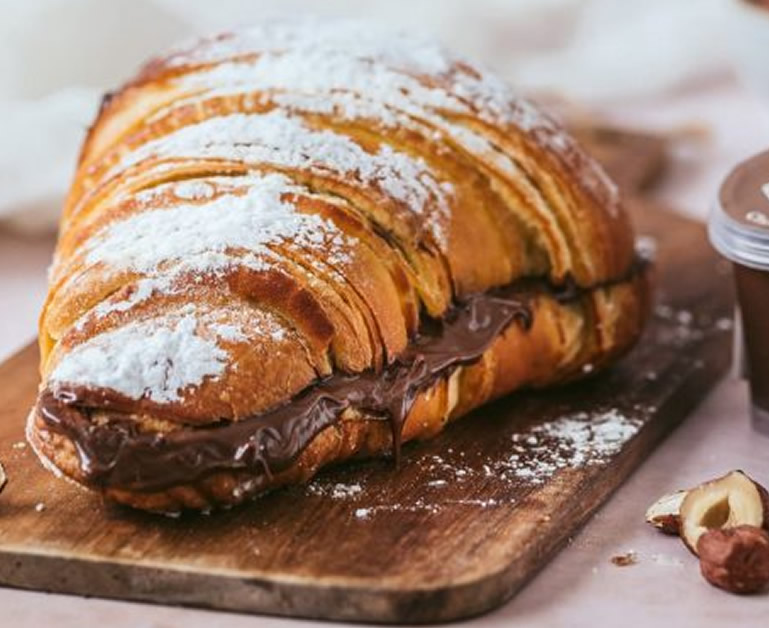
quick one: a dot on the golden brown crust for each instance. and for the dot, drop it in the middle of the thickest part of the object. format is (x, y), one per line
(296, 226)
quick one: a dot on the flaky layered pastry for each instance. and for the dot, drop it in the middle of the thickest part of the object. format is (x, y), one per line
(309, 241)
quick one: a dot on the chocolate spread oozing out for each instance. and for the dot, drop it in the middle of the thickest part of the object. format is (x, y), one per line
(117, 454)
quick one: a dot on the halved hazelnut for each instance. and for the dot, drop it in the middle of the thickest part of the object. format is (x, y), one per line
(726, 502)
(665, 513)
(735, 559)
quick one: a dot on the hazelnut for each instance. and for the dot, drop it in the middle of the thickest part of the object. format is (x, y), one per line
(727, 502)
(735, 559)
(665, 513)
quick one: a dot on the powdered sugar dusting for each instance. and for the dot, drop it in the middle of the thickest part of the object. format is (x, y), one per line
(248, 222)
(160, 357)
(345, 86)
(154, 359)
(393, 68)
(329, 81)
(279, 139)
(228, 332)
(309, 53)
(403, 49)
(193, 190)
(142, 290)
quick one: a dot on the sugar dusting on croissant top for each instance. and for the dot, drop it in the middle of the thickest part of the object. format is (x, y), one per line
(261, 210)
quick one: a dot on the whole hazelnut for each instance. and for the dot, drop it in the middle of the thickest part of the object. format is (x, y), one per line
(735, 559)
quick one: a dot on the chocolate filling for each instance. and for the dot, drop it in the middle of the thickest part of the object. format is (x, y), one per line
(116, 454)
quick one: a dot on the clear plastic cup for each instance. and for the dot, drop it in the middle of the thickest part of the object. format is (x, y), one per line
(739, 230)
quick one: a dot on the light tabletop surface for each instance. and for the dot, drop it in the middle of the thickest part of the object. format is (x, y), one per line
(580, 586)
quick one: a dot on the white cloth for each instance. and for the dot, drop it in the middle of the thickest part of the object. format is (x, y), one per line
(58, 56)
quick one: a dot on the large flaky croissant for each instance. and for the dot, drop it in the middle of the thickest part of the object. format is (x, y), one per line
(309, 241)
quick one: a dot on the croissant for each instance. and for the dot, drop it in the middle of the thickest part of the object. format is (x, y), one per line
(310, 241)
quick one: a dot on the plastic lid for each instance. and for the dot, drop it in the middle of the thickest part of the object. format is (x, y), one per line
(739, 223)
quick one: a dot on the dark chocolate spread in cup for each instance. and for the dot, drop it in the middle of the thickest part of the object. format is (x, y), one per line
(739, 229)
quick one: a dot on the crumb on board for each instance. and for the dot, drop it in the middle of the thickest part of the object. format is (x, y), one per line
(39, 507)
(624, 560)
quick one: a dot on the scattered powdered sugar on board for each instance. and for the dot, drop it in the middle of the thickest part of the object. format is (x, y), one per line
(419, 505)
(572, 441)
(646, 247)
(569, 442)
(334, 490)
(428, 505)
(355, 493)
(681, 327)
(362, 513)
(575, 440)
(155, 358)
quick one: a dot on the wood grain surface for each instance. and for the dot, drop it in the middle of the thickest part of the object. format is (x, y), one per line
(464, 522)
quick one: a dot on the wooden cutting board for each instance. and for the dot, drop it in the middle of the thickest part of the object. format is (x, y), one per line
(468, 518)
